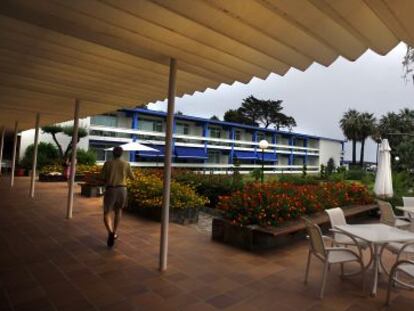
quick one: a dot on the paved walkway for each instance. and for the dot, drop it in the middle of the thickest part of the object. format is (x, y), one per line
(49, 263)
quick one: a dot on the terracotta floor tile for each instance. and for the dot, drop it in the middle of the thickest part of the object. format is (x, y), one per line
(50, 263)
(199, 307)
(38, 304)
(222, 301)
(168, 291)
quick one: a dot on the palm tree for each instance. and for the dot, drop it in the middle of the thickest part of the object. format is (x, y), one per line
(366, 127)
(349, 126)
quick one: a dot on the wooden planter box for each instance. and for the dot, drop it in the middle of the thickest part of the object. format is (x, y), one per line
(79, 177)
(255, 238)
(180, 216)
(90, 191)
(51, 178)
(58, 178)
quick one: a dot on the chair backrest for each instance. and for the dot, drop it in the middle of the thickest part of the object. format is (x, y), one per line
(336, 216)
(315, 237)
(408, 201)
(387, 213)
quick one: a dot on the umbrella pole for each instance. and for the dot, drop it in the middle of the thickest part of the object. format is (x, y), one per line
(167, 168)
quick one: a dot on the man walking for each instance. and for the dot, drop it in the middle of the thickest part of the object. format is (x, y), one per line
(115, 173)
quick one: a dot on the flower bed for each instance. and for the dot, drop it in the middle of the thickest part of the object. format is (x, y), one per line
(272, 204)
(145, 198)
(55, 172)
(264, 217)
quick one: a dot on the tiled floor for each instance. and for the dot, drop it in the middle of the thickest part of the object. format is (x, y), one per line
(50, 263)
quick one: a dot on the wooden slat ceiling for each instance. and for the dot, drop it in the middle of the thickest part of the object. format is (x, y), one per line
(115, 53)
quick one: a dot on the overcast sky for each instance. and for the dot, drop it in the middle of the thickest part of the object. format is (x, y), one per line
(318, 97)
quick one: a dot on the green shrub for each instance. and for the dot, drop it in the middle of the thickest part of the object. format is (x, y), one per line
(47, 154)
(337, 177)
(403, 184)
(210, 186)
(323, 172)
(86, 157)
(355, 174)
(298, 179)
(330, 167)
(256, 173)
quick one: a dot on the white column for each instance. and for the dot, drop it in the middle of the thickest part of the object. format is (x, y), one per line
(3, 132)
(165, 216)
(34, 164)
(73, 160)
(13, 167)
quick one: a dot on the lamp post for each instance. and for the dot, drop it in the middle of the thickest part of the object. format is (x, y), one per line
(263, 144)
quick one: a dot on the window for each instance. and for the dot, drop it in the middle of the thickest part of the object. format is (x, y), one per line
(150, 125)
(267, 136)
(214, 132)
(109, 134)
(182, 129)
(237, 135)
(213, 156)
(101, 153)
(105, 120)
(260, 136)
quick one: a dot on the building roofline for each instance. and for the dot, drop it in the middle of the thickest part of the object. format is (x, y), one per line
(218, 122)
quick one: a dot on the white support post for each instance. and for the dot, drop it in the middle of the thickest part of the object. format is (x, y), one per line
(165, 216)
(3, 133)
(13, 164)
(34, 164)
(72, 171)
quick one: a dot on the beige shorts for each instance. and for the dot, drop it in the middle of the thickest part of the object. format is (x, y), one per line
(115, 198)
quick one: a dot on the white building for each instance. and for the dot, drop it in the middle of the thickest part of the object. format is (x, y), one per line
(203, 144)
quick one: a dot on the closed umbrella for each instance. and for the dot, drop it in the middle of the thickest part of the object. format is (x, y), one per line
(383, 179)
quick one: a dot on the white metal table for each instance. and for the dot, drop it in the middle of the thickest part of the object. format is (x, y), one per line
(377, 235)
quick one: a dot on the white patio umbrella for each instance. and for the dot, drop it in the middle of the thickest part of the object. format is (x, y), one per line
(134, 146)
(383, 179)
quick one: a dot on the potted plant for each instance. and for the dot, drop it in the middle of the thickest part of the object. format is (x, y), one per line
(145, 199)
(92, 185)
(52, 173)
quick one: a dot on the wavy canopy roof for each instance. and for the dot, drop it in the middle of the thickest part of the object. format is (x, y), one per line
(115, 53)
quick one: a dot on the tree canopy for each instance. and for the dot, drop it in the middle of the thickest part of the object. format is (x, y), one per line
(349, 126)
(215, 118)
(47, 154)
(358, 126)
(234, 115)
(257, 112)
(66, 130)
(408, 63)
(398, 128)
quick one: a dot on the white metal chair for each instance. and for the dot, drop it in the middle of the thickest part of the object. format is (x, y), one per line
(336, 218)
(329, 255)
(397, 249)
(405, 267)
(408, 202)
(389, 218)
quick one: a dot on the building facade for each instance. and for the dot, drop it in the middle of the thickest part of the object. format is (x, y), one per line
(210, 145)
(201, 144)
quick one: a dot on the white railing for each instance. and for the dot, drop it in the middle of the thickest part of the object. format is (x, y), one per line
(189, 137)
(221, 166)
